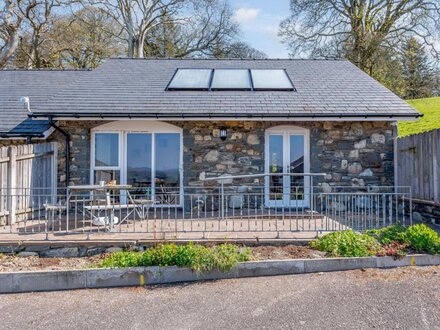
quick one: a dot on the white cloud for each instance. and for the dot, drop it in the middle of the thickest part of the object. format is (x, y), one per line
(245, 15)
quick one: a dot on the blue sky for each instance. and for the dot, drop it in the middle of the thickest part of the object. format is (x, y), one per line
(259, 21)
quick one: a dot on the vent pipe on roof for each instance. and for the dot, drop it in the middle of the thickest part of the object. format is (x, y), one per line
(25, 100)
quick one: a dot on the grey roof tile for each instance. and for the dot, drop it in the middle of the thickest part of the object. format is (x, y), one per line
(39, 85)
(137, 87)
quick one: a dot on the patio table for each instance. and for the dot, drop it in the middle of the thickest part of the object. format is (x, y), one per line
(108, 205)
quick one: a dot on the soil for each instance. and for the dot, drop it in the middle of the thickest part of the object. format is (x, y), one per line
(285, 252)
(15, 263)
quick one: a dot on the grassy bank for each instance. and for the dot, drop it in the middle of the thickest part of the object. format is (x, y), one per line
(430, 108)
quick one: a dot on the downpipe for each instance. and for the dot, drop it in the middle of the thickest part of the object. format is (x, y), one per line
(67, 148)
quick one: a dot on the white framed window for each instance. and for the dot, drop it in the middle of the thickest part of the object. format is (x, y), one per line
(147, 155)
(106, 156)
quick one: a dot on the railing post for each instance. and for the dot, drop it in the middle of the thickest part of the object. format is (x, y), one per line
(54, 169)
(311, 196)
(410, 207)
(12, 184)
(223, 199)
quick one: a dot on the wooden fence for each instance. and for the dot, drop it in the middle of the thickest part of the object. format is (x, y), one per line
(28, 179)
(418, 164)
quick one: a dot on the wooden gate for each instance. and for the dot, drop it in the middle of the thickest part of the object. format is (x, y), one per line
(418, 164)
(28, 178)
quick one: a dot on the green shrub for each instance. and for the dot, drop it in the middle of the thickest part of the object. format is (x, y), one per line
(389, 234)
(197, 257)
(203, 259)
(347, 243)
(226, 256)
(423, 239)
(163, 255)
(418, 237)
(121, 260)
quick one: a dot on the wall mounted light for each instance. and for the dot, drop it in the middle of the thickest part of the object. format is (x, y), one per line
(223, 133)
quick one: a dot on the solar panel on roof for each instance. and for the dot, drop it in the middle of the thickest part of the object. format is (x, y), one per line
(197, 79)
(230, 79)
(271, 80)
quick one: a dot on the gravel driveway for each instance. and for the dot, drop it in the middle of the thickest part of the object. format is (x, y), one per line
(405, 298)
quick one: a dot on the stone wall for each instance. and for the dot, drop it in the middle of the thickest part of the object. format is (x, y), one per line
(425, 211)
(351, 153)
(80, 138)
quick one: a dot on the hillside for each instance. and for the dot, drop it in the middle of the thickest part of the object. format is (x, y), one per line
(430, 107)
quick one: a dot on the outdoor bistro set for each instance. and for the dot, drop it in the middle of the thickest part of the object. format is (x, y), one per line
(103, 203)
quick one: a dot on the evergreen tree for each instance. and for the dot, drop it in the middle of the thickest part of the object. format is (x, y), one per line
(418, 73)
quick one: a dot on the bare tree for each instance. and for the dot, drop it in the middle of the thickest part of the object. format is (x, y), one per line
(199, 23)
(37, 22)
(82, 40)
(241, 49)
(363, 26)
(209, 25)
(11, 19)
(136, 18)
(208, 31)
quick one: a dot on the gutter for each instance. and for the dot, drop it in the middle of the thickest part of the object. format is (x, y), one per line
(21, 135)
(67, 137)
(213, 115)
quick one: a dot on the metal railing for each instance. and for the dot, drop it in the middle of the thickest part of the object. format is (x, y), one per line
(248, 209)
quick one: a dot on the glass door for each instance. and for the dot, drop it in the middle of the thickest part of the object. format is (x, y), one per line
(286, 153)
(167, 168)
(139, 163)
(152, 166)
(276, 165)
(296, 184)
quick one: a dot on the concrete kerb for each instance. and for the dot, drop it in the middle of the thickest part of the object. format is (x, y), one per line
(105, 278)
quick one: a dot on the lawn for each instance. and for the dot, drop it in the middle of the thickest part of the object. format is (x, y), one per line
(430, 107)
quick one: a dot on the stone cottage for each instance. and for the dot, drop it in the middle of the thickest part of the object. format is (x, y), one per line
(173, 122)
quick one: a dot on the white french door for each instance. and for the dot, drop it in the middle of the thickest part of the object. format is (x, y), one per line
(287, 151)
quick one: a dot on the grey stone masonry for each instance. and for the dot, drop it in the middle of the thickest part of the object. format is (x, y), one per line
(425, 211)
(351, 153)
(80, 139)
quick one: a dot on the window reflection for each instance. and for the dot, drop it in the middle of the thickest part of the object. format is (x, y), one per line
(167, 155)
(297, 166)
(139, 149)
(276, 166)
(107, 149)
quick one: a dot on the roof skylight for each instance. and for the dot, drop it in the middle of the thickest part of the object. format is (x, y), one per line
(231, 79)
(191, 79)
(271, 80)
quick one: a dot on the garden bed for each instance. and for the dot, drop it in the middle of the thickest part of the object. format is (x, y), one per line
(16, 263)
(393, 241)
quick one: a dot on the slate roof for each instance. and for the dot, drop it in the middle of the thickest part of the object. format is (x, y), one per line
(39, 85)
(136, 87)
